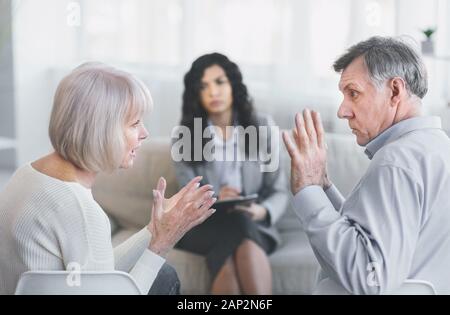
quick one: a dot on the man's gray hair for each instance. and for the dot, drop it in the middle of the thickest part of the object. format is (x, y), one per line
(387, 58)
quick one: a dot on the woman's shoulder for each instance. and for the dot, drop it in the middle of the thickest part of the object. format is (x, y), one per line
(28, 188)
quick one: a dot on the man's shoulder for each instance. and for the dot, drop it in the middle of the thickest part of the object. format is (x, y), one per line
(398, 153)
(410, 150)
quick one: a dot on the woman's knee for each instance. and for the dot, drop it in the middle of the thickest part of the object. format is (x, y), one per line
(249, 251)
(227, 269)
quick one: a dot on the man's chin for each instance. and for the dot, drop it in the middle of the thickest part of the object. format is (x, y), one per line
(362, 141)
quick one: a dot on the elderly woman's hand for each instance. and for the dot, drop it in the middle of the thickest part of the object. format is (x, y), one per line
(172, 218)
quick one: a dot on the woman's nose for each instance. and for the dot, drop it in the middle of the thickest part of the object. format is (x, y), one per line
(144, 134)
(213, 90)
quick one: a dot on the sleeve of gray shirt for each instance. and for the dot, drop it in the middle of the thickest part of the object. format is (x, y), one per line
(336, 198)
(368, 246)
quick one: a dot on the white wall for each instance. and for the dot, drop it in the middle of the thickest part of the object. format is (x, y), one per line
(7, 128)
(42, 39)
(46, 48)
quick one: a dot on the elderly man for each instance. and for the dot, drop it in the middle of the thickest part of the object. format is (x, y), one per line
(395, 224)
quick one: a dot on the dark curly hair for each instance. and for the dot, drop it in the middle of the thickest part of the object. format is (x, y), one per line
(192, 107)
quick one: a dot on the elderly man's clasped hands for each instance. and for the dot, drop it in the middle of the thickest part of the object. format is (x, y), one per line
(308, 152)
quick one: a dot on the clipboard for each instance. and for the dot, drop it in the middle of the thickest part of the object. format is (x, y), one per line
(231, 203)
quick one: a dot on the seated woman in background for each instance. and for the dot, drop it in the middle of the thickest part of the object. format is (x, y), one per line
(49, 219)
(236, 242)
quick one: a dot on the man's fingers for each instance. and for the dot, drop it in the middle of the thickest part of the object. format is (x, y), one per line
(303, 141)
(309, 126)
(319, 129)
(295, 135)
(290, 146)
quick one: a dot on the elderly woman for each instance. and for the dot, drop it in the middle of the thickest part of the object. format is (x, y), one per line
(48, 216)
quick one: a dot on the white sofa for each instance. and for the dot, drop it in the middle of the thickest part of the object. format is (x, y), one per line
(126, 197)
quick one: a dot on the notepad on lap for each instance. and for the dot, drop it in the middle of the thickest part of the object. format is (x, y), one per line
(231, 203)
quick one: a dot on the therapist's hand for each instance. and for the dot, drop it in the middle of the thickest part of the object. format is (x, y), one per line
(255, 211)
(172, 218)
(228, 192)
(307, 151)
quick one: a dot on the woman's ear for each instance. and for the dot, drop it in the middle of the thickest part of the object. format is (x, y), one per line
(398, 88)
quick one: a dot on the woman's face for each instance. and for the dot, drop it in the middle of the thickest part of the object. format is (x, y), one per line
(135, 133)
(216, 93)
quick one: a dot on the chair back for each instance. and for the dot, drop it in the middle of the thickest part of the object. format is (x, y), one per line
(328, 286)
(76, 283)
(415, 287)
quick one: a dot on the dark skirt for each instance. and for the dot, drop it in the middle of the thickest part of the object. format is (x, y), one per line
(220, 235)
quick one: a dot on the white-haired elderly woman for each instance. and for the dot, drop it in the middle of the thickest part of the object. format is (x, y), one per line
(48, 216)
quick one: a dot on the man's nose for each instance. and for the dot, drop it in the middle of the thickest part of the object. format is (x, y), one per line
(344, 111)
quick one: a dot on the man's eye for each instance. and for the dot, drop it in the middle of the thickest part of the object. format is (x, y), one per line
(137, 123)
(353, 94)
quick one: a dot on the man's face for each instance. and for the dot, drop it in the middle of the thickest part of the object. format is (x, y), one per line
(367, 108)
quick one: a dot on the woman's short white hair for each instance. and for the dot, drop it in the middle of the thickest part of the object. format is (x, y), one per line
(90, 110)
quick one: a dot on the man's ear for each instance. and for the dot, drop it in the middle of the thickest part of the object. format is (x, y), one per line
(398, 88)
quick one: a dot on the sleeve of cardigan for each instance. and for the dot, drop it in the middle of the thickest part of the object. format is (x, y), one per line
(133, 256)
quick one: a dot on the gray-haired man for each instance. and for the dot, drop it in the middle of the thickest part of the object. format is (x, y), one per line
(395, 224)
